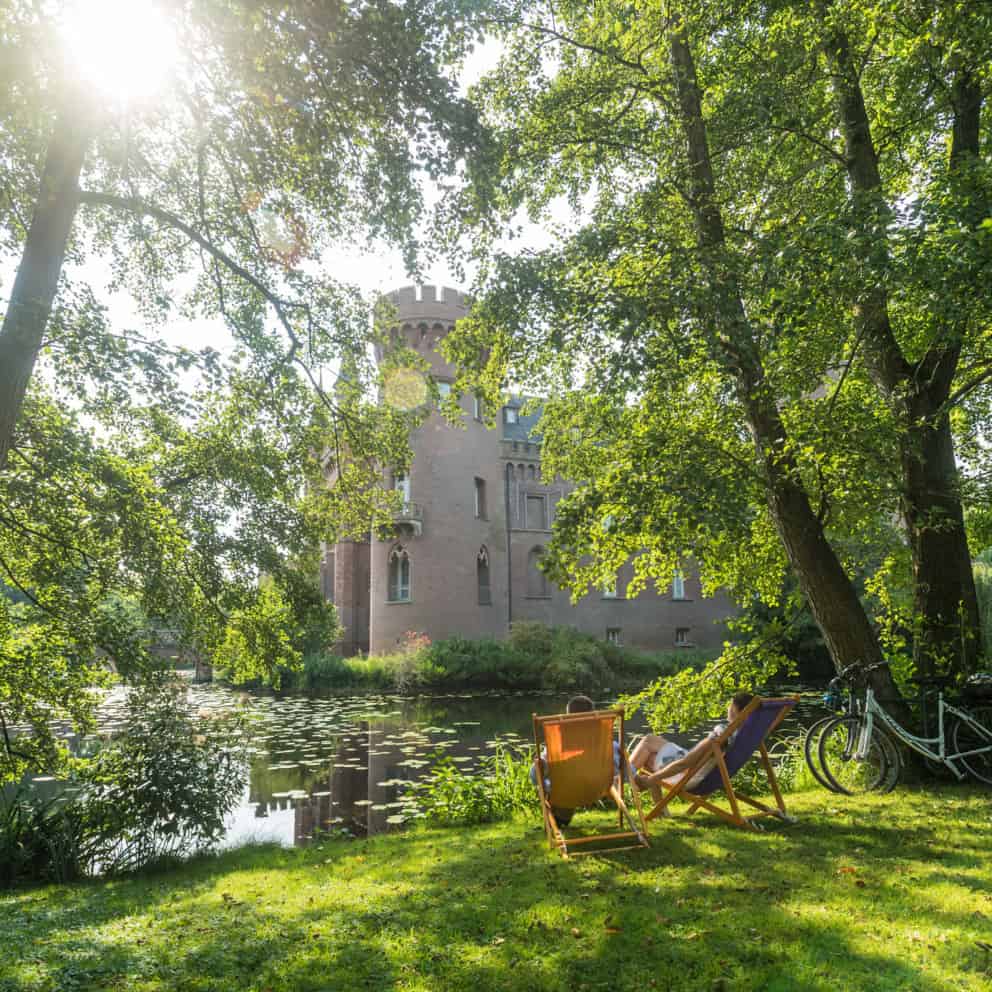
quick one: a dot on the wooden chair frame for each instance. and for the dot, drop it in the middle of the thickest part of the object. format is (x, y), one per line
(555, 835)
(715, 751)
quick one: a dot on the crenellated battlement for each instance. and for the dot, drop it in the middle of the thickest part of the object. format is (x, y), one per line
(428, 301)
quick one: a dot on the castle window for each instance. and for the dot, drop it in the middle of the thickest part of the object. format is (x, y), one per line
(327, 576)
(537, 581)
(536, 508)
(510, 414)
(610, 589)
(532, 473)
(480, 498)
(482, 577)
(478, 410)
(678, 585)
(444, 390)
(401, 483)
(614, 635)
(399, 575)
(682, 637)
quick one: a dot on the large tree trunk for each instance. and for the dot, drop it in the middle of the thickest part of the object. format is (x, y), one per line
(30, 304)
(944, 601)
(828, 589)
(947, 625)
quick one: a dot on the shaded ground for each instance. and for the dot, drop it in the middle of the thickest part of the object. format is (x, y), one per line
(880, 893)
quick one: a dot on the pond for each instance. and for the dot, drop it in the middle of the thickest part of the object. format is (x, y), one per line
(342, 763)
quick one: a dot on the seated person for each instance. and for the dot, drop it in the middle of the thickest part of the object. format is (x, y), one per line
(577, 704)
(657, 759)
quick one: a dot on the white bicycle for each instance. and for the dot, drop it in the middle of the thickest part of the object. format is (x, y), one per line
(857, 752)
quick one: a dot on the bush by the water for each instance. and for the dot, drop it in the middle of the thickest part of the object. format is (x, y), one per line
(534, 656)
(451, 797)
(160, 788)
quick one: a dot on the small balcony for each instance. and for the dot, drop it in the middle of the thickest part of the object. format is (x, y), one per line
(410, 516)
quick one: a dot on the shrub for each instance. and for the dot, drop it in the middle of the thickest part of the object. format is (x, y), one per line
(161, 787)
(450, 796)
(534, 656)
(166, 783)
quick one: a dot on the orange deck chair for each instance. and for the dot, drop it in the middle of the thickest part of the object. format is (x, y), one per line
(749, 730)
(579, 765)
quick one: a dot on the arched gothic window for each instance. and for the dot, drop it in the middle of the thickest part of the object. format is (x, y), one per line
(482, 577)
(399, 575)
(537, 582)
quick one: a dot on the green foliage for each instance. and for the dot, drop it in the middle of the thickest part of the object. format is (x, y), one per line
(174, 469)
(695, 694)
(160, 788)
(535, 656)
(42, 840)
(499, 790)
(270, 636)
(165, 783)
(669, 326)
(983, 587)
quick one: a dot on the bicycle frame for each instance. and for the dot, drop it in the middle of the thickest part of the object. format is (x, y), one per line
(920, 744)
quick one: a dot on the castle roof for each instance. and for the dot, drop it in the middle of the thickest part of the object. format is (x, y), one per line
(525, 429)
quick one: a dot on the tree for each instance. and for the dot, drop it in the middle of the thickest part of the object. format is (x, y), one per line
(176, 476)
(705, 335)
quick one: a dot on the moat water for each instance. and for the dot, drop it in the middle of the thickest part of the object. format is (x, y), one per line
(345, 763)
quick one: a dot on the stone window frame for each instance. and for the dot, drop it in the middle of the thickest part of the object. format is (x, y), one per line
(480, 499)
(395, 588)
(614, 635)
(682, 637)
(678, 586)
(482, 571)
(538, 585)
(511, 415)
(543, 498)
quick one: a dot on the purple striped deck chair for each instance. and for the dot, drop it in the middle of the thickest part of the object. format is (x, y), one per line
(723, 760)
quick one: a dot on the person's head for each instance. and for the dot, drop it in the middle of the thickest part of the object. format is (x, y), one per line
(580, 704)
(738, 703)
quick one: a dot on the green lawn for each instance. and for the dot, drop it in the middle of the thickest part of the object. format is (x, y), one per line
(879, 893)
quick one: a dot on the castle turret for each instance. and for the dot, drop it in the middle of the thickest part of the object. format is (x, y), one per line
(444, 568)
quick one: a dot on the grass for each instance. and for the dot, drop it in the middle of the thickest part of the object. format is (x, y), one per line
(876, 893)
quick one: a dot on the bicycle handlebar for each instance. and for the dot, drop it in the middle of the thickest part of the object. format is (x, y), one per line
(849, 673)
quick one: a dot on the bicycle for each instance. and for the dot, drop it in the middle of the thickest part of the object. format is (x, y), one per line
(850, 749)
(832, 698)
(879, 766)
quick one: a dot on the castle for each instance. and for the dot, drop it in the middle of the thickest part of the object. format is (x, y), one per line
(474, 521)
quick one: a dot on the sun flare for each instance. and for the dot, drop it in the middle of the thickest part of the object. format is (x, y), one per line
(125, 50)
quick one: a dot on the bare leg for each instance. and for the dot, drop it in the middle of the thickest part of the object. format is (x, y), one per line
(647, 747)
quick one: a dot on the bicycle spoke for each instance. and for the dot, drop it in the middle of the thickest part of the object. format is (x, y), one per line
(877, 771)
(969, 738)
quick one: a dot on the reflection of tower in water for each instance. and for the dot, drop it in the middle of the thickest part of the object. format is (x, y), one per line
(360, 764)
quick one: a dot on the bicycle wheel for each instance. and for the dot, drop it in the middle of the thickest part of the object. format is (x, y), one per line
(810, 749)
(877, 772)
(968, 738)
